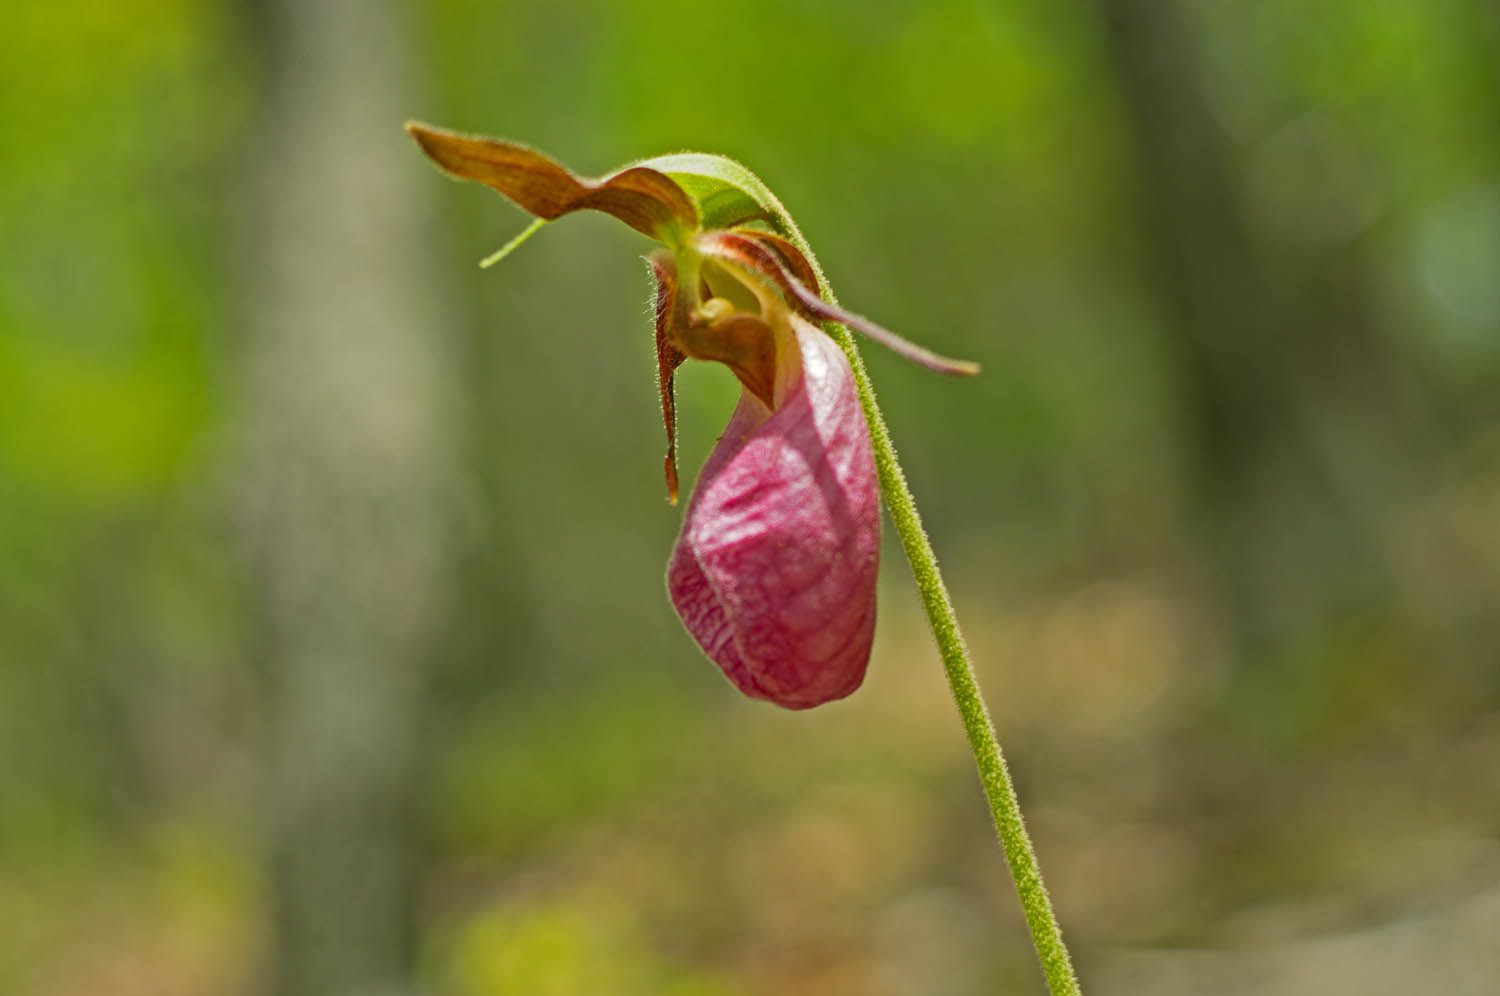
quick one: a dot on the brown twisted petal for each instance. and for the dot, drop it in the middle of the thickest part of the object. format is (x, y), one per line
(748, 249)
(668, 357)
(643, 198)
(744, 343)
(790, 255)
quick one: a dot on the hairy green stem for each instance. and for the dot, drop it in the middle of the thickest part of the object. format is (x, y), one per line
(994, 775)
(1046, 934)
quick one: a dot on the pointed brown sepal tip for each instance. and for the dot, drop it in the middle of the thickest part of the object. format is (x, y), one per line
(671, 467)
(647, 200)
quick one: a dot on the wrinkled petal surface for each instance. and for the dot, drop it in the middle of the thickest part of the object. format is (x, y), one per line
(774, 572)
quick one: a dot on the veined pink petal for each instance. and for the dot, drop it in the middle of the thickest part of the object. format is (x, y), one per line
(774, 572)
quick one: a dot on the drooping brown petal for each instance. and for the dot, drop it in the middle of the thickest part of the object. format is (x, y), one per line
(790, 255)
(738, 248)
(645, 199)
(668, 357)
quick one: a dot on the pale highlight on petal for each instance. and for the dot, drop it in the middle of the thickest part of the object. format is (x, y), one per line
(774, 572)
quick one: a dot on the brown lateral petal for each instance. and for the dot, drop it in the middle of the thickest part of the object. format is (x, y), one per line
(643, 198)
(790, 255)
(668, 358)
(738, 248)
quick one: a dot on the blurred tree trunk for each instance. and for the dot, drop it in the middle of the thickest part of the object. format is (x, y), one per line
(343, 407)
(1299, 417)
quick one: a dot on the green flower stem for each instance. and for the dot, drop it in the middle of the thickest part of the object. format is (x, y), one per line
(1041, 921)
(1046, 934)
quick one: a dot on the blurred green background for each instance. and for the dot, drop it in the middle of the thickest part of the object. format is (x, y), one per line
(334, 650)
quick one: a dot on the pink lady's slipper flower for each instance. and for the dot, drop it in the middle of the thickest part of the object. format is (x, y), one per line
(774, 571)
